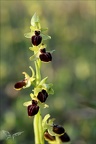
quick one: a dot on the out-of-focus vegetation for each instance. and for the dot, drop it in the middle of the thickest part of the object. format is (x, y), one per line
(72, 26)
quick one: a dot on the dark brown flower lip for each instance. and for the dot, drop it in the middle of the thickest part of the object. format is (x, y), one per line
(33, 108)
(36, 39)
(20, 84)
(58, 129)
(42, 95)
(64, 137)
(49, 137)
(45, 57)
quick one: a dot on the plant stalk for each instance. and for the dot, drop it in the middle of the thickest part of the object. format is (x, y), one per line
(38, 131)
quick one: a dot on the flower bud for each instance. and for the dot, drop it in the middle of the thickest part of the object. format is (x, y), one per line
(33, 109)
(48, 137)
(42, 96)
(20, 84)
(36, 39)
(58, 129)
(64, 137)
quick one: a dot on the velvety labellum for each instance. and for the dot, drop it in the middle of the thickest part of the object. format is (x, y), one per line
(42, 96)
(33, 109)
(36, 39)
(49, 137)
(58, 129)
(20, 84)
(64, 137)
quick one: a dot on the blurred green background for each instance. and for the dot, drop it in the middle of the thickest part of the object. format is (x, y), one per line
(72, 26)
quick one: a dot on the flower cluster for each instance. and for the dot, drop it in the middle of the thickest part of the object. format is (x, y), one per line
(53, 132)
(40, 88)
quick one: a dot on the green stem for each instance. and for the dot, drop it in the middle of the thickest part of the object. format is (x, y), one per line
(38, 74)
(38, 131)
(41, 129)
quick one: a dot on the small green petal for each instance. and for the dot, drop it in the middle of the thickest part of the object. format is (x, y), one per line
(44, 122)
(46, 117)
(34, 48)
(26, 75)
(27, 103)
(33, 73)
(32, 96)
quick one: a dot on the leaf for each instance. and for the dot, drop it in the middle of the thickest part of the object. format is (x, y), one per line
(6, 134)
(17, 134)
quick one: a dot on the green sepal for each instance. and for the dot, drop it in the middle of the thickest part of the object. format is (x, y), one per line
(45, 86)
(27, 103)
(43, 81)
(33, 96)
(37, 90)
(45, 37)
(35, 21)
(44, 29)
(44, 122)
(34, 57)
(42, 105)
(29, 35)
(48, 87)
